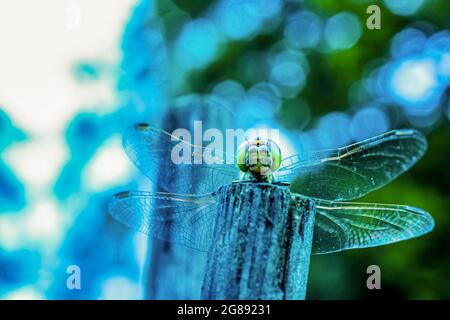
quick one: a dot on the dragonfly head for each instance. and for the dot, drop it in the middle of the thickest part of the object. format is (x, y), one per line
(259, 157)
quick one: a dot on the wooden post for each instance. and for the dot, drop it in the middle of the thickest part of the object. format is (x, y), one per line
(176, 272)
(262, 243)
(167, 259)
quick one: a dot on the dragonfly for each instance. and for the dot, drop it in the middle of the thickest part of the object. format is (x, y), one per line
(328, 177)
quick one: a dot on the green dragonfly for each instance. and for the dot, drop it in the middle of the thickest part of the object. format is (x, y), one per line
(328, 177)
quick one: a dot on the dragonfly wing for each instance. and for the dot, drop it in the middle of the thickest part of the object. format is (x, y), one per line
(340, 225)
(150, 149)
(181, 219)
(355, 170)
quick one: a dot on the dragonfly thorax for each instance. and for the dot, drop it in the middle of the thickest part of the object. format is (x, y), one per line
(259, 158)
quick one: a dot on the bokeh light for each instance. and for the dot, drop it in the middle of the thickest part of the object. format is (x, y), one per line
(197, 44)
(404, 7)
(368, 122)
(304, 29)
(239, 20)
(289, 70)
(342, 31)
(413, 83)
(332, 130)
(408, 41)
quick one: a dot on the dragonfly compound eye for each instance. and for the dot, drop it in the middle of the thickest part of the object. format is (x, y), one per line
(242, 157)
(264, 156)
(252, 155)
(276, 155)
(260, 157)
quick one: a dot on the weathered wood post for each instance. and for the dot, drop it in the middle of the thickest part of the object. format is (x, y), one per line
(262, 243)
(166, 259)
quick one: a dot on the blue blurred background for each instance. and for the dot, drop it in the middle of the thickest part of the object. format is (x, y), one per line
(74, 74)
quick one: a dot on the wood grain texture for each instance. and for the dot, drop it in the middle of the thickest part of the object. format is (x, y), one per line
(262, 243)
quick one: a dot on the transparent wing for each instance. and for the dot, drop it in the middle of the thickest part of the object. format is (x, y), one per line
(181, 219)
(355, 170)
(151, 149)
(340, 225)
